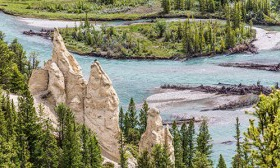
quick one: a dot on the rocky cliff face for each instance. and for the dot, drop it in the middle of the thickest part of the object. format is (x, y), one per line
(156, 134)
(95, 104)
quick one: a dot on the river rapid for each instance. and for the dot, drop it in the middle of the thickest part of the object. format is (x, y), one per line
(138, 79)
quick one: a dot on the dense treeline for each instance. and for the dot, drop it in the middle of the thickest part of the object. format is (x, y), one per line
(160, 39)
(29, 140)
(259, 11)
(87, 6)
(15, 68)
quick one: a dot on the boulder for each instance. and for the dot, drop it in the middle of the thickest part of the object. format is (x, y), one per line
(156, 134)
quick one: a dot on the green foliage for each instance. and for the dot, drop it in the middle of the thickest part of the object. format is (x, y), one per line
(177, 143)
(201, 160)
(204, 139)
(71, 145)
(143, 117)
(160, 157)
(144, 160)
(159, 40)
(261, 139)
(222, 163)
(123, 156)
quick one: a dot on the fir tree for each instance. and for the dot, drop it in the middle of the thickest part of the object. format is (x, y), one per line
(177, 146)
(160, 157)
(123, 157)
(201, 161)
(222, 163)
(261, 139)
(143, 117)
(165, 4)
(71, 145)
(121, 119)
(144, 160)
(204, 139)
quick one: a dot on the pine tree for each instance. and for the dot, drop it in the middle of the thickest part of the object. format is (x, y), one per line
(201, 161)
(121, 119)
(47, 149)
(177, 143)
(189, 150)
(160, 157)
(8, 152)
(204, 139)
(222, 163)
(132, 114)
(165, 4)
(143, 117)
(261, 139)
(123, 157)
(237, 159)
(71, 145)
(30, 128)
(144, 160)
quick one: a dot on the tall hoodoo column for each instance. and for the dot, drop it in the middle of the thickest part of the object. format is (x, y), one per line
(156, 134)
(102, 111)
(75, 84)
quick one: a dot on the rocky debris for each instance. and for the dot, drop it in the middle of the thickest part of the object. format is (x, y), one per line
(244, 47)
(101, 110)
(273, 67)
(224, 89)
(248, 100)
(43, 33)
(95, 104)
(181, 121)
(156, 134)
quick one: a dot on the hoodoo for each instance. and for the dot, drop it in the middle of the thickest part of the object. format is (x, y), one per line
(156, 134)
(95, 104)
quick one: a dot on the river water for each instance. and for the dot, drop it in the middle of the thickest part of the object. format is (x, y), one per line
(138, 79)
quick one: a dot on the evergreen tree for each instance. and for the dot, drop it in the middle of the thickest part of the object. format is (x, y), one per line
(189, 149)
(121, 119)
(123, 157)
(144, 160)
(165, 4)
(71, 146)
(143, 117)
(8, 154)
(30, 129)
(160, 157)
(47, 149)
(261, 139)
(201, 161)
(237, 159)
(222, 163)
(177, 143)
(204, 139)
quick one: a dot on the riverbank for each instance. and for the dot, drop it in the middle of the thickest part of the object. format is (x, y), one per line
(267, 40)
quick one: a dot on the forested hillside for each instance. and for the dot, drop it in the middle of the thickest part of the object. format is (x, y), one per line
(259, 11)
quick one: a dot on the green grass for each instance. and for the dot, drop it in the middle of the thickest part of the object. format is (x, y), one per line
(142, 41)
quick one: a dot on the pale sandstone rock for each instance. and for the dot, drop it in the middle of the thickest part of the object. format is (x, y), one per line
(56, 84)
(156, 134)
(38, 81)
(95, 104)
(74, 83)
(101, 111)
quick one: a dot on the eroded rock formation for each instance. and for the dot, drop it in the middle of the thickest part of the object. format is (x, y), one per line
(156, 134)
(95, 104)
